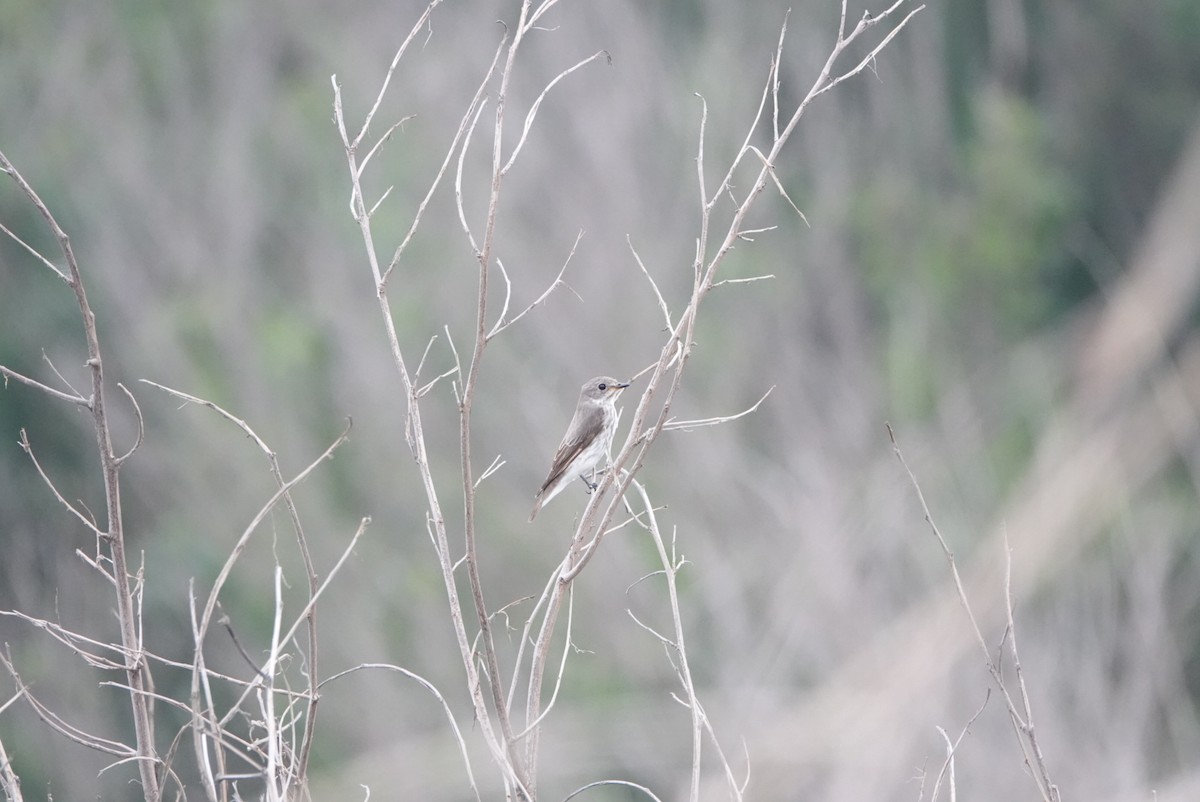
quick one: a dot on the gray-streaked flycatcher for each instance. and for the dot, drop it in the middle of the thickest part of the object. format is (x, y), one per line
(587, 439)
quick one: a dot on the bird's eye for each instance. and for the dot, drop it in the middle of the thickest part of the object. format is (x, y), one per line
(603, 387)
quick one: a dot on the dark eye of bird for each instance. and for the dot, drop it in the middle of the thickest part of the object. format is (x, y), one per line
(603, 386)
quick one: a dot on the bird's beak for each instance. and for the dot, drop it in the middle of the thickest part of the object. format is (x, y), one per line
(622, 386)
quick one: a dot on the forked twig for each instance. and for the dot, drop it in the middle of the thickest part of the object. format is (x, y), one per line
(1023, 725)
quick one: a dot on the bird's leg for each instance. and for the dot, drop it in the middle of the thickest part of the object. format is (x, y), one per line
(591, 485)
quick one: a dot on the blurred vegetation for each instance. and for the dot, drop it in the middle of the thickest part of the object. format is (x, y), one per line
(972, 202)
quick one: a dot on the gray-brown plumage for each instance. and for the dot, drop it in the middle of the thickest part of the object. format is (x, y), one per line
(587, 439)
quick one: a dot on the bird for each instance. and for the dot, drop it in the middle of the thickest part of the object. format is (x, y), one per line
(587, 439)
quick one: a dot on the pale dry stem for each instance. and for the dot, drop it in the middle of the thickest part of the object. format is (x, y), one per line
(137, 670)
(1022, 721)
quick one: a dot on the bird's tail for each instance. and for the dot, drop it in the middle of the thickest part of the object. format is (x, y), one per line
(536, 507)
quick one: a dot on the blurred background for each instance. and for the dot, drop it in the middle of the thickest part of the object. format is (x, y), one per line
(1001, 259)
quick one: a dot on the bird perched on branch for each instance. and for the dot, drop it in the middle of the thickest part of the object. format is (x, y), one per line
(587, 439)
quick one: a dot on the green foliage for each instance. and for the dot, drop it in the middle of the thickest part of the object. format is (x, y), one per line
(971, 255)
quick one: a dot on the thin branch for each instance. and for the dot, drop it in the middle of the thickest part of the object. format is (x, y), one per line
(55, 722)
(747, 280)
(9, 781)
(704, 203)
(863, 24)
(662, 304)
(497, 463)
(775, 73)
(375, 206)
(424, 355)
(774, 177)
(688, 425)
(537, 14)
(476, 102)
(458, 175)
(429, 686)
(61, 377)
(744, 234)
(1049, 789)
(527, 641)
(23, 441)
(533, 110)
(362, 165)
(503, 324)
(663, 639)
(425, 388)
(670, 569)
(387, 79)
(239, 547)
(312, 601)
(34, 252)
(236, 421)
(625, 783)
(74, 399)
(140, 421)
(952, 748)
(75, 642)
(1046, 788)
(562, 670)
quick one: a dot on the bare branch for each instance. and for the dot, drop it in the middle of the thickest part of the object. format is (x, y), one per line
(775, 74)
(670, 568)
(236, 421)
(55, 722)
(533, 110)
(362, 165)
(34, 252)
(747, 280)
(497, 463)
(562, 670)
(624, 783)
(312, 602)
(424, 355)
(76, 642)
(774, 177)
(429, 686)
(745, 233)
(387, 79)
(223, 575)
(1047, 790)
(662, 304)
(61, 377)
(476, 103)
(454, 351)
(12, 700)
(74, 399)
(382, 198)
(866, 22)
(688, 425)
(28, 449)
(425, 388)
(140, 421)
(663, 639)
(951, 748)
(700, 155)
(1025, 725)
(537, 14)
(458, 193)
(503, 324)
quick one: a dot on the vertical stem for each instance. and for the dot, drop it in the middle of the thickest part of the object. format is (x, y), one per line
(136, 669)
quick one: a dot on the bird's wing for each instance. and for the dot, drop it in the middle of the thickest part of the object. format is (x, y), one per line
(580, 434)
